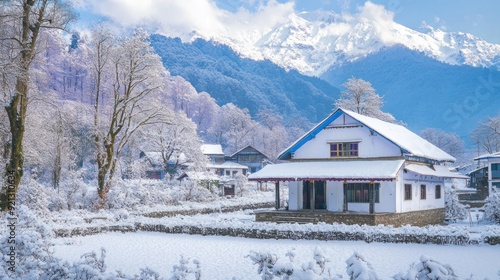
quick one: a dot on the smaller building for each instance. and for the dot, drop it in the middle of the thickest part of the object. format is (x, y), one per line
(490, 173)
(250, 157)
(227, 169)
(213, 152)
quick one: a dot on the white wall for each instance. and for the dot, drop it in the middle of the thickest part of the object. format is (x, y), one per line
(416, 203)
(293, 195)
(391, 195)
(369, 145)
(335, 197)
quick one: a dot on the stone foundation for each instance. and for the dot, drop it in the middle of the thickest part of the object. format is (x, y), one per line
(416, 218)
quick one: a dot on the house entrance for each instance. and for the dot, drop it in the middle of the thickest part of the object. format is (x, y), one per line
(313, 194)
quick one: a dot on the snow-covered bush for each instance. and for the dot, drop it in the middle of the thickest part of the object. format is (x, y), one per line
(183, 270)
(190, 191)
(241, 184)
(492, 208)
(270, 266)
(265, 262)
(427, 268)
(455, 211)
(359, 269)
(33, 194)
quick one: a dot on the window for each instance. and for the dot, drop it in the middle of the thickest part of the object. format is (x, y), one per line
(343, 149)
(358, 192)
(244, 158)
(495, 171)
(228, 173)
(438, 191)
(407, 192)
(423, 192)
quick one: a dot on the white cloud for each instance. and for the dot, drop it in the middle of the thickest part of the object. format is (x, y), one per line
(181, 17)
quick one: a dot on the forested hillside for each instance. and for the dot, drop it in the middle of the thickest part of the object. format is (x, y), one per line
(247, 83)
(424, 92)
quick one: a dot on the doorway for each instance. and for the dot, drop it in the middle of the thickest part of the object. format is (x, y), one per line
(313, 194)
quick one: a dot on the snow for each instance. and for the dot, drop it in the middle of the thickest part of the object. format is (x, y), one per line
(228, 164)
(436, 170)
(402, 137)
(488, 156)
(313, 42)
(330, 170)
(212, 149)
(224, 257)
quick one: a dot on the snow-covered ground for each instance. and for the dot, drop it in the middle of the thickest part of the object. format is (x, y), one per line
(224, 257)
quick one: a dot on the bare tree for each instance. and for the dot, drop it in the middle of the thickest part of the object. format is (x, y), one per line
(448, 142)
(21, 23)
(361, 98)
(125, 72)
(487, 135)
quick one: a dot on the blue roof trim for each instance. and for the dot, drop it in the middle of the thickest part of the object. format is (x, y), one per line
(287, 154)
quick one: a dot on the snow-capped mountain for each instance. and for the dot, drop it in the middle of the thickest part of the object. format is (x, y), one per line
(313, 42)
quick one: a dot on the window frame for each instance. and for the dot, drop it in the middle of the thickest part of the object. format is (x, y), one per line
(423, 192)
(358, 192)
(408, 193)
(437, 193)
(344, 149)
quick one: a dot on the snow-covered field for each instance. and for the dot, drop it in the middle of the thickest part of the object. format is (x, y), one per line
(224, 257)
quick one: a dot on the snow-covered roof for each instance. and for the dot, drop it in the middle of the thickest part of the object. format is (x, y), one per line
(197, 175)
(227, 165)
(409, 142)
(212, 149)
(350, 170)
(238, 151)
(156, 158)
(488, 156)
(436, 170)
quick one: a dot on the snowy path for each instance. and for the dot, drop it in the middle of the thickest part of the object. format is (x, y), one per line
(223, 257)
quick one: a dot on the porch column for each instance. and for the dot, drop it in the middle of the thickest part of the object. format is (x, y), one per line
(371, 191)
(313, 194)
(277, 190)
(344, 209)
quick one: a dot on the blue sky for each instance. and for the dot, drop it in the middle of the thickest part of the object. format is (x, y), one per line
(480, 17)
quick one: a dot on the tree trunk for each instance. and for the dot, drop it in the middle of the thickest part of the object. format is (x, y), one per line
(16, 111)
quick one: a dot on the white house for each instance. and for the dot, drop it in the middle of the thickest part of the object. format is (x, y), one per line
(492, 170)
(363, 170)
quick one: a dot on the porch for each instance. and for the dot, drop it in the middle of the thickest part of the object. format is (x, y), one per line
(416, 218)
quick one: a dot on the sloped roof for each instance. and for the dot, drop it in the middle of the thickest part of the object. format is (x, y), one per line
(228, 164)
(350, 170)
(212, 149)
(436, 170)
(488, 156)
(155, 158)
(248, 146)
(409, 142)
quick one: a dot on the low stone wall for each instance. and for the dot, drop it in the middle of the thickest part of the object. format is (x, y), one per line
(257, 233)
(416, 218)
(191, 212)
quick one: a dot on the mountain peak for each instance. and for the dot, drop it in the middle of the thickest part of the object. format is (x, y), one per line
(315, 41)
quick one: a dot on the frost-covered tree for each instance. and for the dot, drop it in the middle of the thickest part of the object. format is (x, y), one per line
(360, 97)
(492, 208)
(487, 135)
(125, 73)
(448, 142)
(22, 22)
(232, 127)
(455, 211)
(177, 142)
(359, 269)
